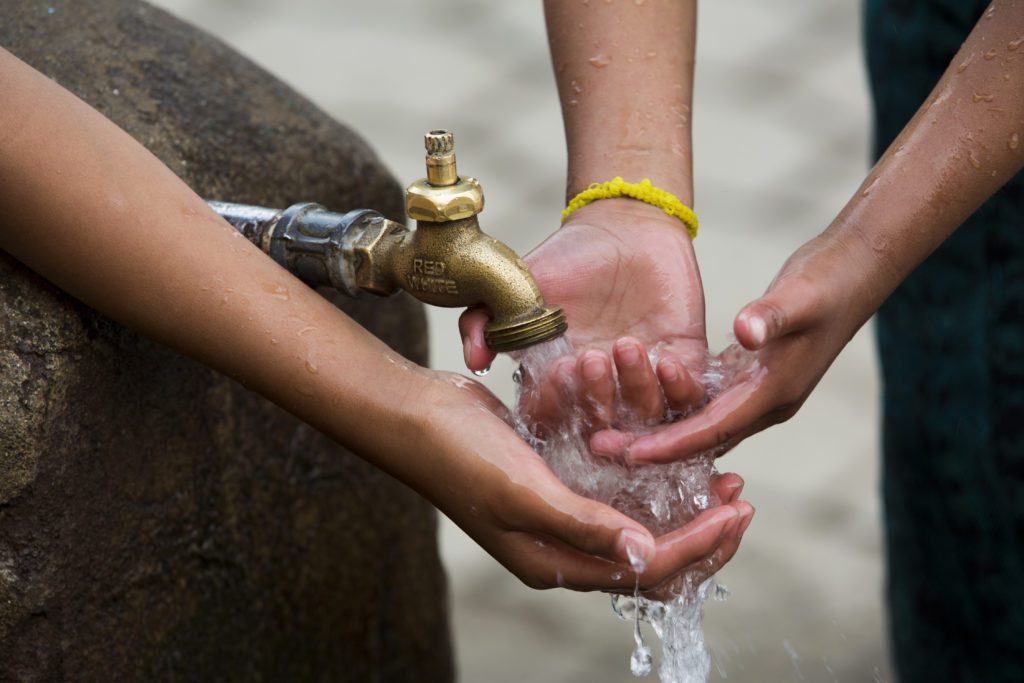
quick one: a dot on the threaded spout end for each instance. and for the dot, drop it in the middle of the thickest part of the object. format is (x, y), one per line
(543, 324)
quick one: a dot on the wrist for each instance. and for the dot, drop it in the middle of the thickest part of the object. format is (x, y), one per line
(665, 169)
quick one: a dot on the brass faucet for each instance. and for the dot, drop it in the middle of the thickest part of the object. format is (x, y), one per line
(446, 261)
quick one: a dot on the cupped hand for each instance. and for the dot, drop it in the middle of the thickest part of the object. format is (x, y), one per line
(821, 297)
(476, 469)
(626, 276)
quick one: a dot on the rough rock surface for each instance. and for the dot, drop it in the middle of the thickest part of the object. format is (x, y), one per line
(158, 520)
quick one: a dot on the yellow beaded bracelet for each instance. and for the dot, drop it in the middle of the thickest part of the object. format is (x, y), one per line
(643, 191)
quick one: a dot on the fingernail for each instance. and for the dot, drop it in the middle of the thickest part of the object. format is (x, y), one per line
(467, 350)
(670, 371)
(593, 369)
(758, 329)
(629, 354)
(635, 547)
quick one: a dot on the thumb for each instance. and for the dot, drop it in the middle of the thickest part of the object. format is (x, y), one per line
(789, 306)
(477, 354)
(596, 529)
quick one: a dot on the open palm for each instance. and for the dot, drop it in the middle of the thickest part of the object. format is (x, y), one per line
(626, 276)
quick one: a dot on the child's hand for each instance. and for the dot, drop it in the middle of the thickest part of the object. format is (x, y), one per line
(822, 296)
(617, 267)
(475, 468)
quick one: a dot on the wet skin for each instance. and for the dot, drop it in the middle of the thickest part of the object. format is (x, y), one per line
(141, 247)
(963, 145)
(620, 267)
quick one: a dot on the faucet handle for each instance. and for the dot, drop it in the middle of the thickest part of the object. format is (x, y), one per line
(441, 170)
(439, 142)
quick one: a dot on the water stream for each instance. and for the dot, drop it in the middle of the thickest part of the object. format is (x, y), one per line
(661, 497)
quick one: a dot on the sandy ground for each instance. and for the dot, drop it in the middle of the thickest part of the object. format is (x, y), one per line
(781, 134)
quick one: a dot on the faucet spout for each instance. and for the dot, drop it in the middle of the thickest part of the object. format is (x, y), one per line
(446, 261)
(455, 264)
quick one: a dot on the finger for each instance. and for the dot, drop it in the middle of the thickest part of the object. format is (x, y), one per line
(681, 390)
(694, 543)
(597, 390)
(611, 443)
(789, 306)
(545, 405)
(638, 385)
(589, 527)
(555, 563)
(476, 353)
(740, 411)
(727, 548)
(727, 487)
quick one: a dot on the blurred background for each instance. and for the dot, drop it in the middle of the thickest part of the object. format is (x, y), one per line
(781, 135)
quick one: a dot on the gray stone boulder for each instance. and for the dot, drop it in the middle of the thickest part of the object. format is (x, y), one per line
(157, 520)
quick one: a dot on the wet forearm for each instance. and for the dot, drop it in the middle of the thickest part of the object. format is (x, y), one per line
(963, 144)
(625, 81)
(91, 210)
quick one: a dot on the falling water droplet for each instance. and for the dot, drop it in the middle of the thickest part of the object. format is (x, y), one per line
(1014, 142)
(600, 60)
(867, 190)
(974, 160)
(966, 63)
(990, 11)
(991, 54)
(1014, 44)
(640, 660)
(482, 373)
(310, 368)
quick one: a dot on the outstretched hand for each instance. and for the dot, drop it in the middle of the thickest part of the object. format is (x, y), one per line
(812, 309)
(617, 267)
(490, 483)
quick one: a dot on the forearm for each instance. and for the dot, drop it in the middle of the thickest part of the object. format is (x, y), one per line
(625, 82)
(963, 144)
(91, 210)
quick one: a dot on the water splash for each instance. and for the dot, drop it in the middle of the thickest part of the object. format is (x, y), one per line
(662, 497)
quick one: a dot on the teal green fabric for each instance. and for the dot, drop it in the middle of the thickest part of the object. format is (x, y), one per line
(952, 346)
